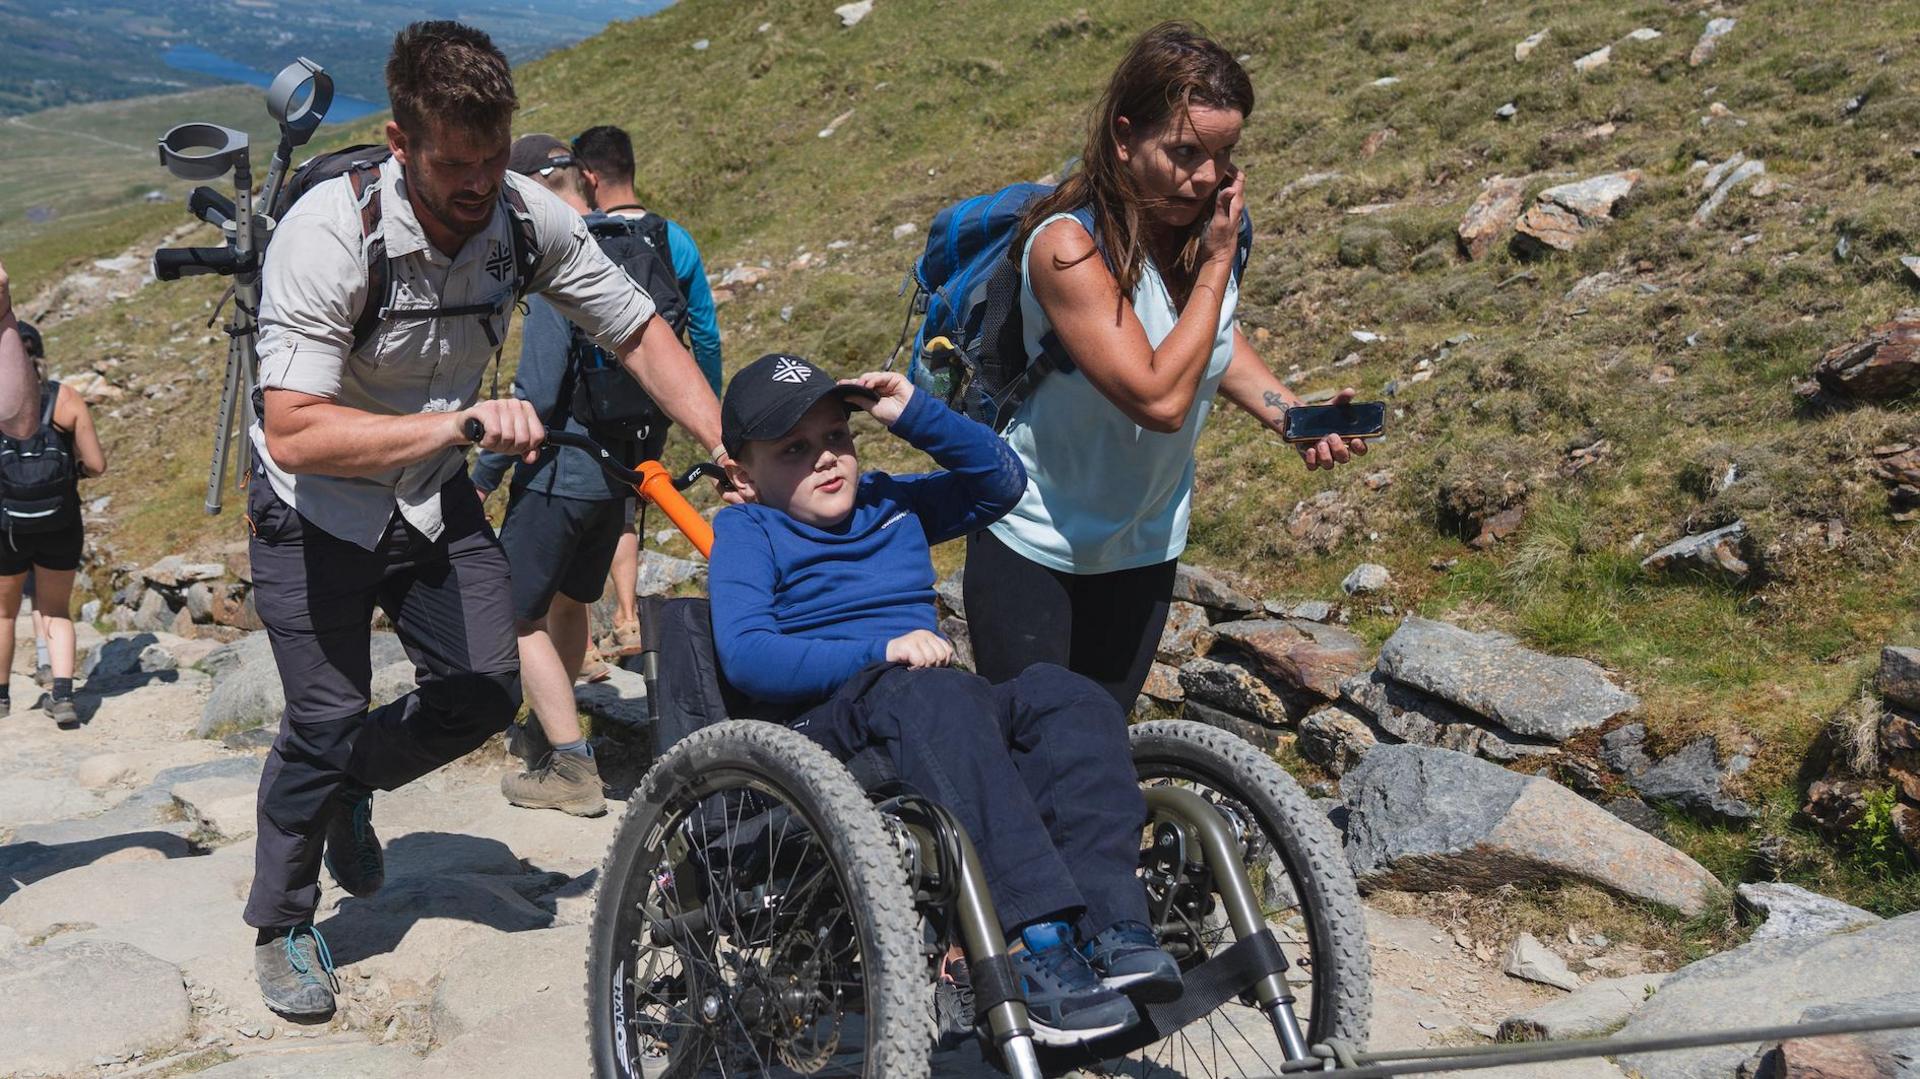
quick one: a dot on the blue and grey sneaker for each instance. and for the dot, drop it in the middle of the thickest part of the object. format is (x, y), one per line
(295, 973)
(1129, 959)
(352, 851)
(1065, 1001)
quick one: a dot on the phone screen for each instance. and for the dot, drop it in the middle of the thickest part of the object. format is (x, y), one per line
(1355, 419)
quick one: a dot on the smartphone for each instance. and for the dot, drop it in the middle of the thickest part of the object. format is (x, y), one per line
(1355, 419)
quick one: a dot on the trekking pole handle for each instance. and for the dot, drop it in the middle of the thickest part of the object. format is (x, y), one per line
(173, 263)
(210, 206)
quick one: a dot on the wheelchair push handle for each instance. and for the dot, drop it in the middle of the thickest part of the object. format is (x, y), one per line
(651, 480)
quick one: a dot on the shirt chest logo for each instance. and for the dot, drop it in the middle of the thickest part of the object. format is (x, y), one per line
(499, 260)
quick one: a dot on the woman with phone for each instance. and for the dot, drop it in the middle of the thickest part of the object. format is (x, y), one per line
(1081, 572)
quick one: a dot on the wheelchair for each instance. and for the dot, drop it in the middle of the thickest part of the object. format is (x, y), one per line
(766, 909)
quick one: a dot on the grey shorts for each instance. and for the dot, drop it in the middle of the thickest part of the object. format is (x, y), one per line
(559, 545)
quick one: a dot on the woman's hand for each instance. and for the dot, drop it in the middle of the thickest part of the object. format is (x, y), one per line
(892, 389)
(921, 648)
(1223, 228)
(1333, 450)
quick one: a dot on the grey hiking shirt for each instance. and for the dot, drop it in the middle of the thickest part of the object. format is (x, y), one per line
(315, 284)
(561, 471)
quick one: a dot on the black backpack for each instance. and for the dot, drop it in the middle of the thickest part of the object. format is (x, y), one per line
(361, 164)
(599, 393)
(36, 475)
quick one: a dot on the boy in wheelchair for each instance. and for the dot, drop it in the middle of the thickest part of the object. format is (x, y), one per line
(822, 600)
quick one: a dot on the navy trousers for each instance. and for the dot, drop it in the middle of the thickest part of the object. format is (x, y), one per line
(1037, 769)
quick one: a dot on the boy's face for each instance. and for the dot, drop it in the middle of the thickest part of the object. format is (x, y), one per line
(809, 473)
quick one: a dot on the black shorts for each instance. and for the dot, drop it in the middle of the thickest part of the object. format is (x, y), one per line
(58, 549)
(557, 544)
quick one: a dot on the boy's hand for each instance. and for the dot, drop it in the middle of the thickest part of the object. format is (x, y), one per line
(892, 389)
(920, 648)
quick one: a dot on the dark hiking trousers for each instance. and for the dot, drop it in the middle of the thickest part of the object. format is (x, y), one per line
(1037, 769)
(448, 600)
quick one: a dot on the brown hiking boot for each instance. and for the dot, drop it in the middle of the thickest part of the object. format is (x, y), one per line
(623, 641)
(593, 668)
(567, 782)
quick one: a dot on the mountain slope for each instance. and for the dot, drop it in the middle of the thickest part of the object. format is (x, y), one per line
(1681, 361)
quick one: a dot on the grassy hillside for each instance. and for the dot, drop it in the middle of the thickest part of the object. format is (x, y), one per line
(1684, 369)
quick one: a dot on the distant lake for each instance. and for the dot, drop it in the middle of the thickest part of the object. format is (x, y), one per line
(198, 60)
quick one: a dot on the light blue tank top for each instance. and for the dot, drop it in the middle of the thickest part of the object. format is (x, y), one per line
(1104, 493)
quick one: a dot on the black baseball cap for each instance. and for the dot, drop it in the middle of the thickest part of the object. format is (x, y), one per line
(539, 154)
(30, 337)
(768, 396)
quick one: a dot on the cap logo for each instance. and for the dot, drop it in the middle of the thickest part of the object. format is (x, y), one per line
(791, 371)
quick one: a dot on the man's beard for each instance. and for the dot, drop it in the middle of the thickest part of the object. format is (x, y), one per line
(443, 212)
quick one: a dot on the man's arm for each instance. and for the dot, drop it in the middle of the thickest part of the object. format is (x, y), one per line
(703, 322)
(312, 434)
(1249, 384)
(19, 389)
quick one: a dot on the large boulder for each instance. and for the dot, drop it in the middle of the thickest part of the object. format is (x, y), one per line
(1900, 676)
(1491, 215)
(246, 683)
(125, 660)
(1490, 674)
(1884, 364)
(1793, 911)
(1234, 687)
(1194, 584)
(70, 1004)
(1594, 1009)
(1884, 1054)
(1306, 655)
(1770, 982)
(1409, 715)
(1561, 217)
(1693, 779)
(1425, 819)
(1719, 553)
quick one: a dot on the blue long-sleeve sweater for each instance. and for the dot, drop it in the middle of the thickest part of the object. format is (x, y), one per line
(798, 610)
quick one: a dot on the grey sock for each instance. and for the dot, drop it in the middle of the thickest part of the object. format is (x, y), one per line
(40, 654)
(578, 748)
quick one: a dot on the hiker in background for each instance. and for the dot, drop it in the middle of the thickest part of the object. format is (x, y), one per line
(564, 516)
(1143, 304)
(41, 537)
(605, 156)
(42, 654)
(19, 405)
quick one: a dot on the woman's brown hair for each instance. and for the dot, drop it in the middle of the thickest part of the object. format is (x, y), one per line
(1169, 69)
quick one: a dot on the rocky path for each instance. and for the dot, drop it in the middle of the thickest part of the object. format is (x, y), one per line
(125, 855)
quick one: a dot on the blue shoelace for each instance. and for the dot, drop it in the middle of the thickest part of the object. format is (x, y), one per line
(321, 955)
(1059, 962)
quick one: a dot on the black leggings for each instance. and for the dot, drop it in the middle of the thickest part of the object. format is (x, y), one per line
(1105, 626)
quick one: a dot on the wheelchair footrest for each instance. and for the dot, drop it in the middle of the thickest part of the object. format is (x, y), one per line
(1205, 988)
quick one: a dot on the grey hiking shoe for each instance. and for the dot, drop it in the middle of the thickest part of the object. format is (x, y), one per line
(528, 742)
(65, 716)
(352, 852)
(295, 973)
(43, 676)
(567, 782)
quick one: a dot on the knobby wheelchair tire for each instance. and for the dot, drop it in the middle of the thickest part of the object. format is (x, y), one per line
(873, 895)
(1298, 836)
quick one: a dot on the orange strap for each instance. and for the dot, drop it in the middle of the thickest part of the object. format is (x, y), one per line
(656, 486)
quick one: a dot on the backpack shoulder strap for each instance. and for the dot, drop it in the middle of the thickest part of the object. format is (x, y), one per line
(50, 398)
(653, 229)
(526, 245)
(365, 182)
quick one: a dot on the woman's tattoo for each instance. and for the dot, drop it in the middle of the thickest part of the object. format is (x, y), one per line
(1274, 400)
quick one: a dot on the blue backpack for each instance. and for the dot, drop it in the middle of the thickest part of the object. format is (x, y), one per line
(970, 349)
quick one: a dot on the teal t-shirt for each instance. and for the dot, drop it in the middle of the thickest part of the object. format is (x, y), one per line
(1104, 493)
